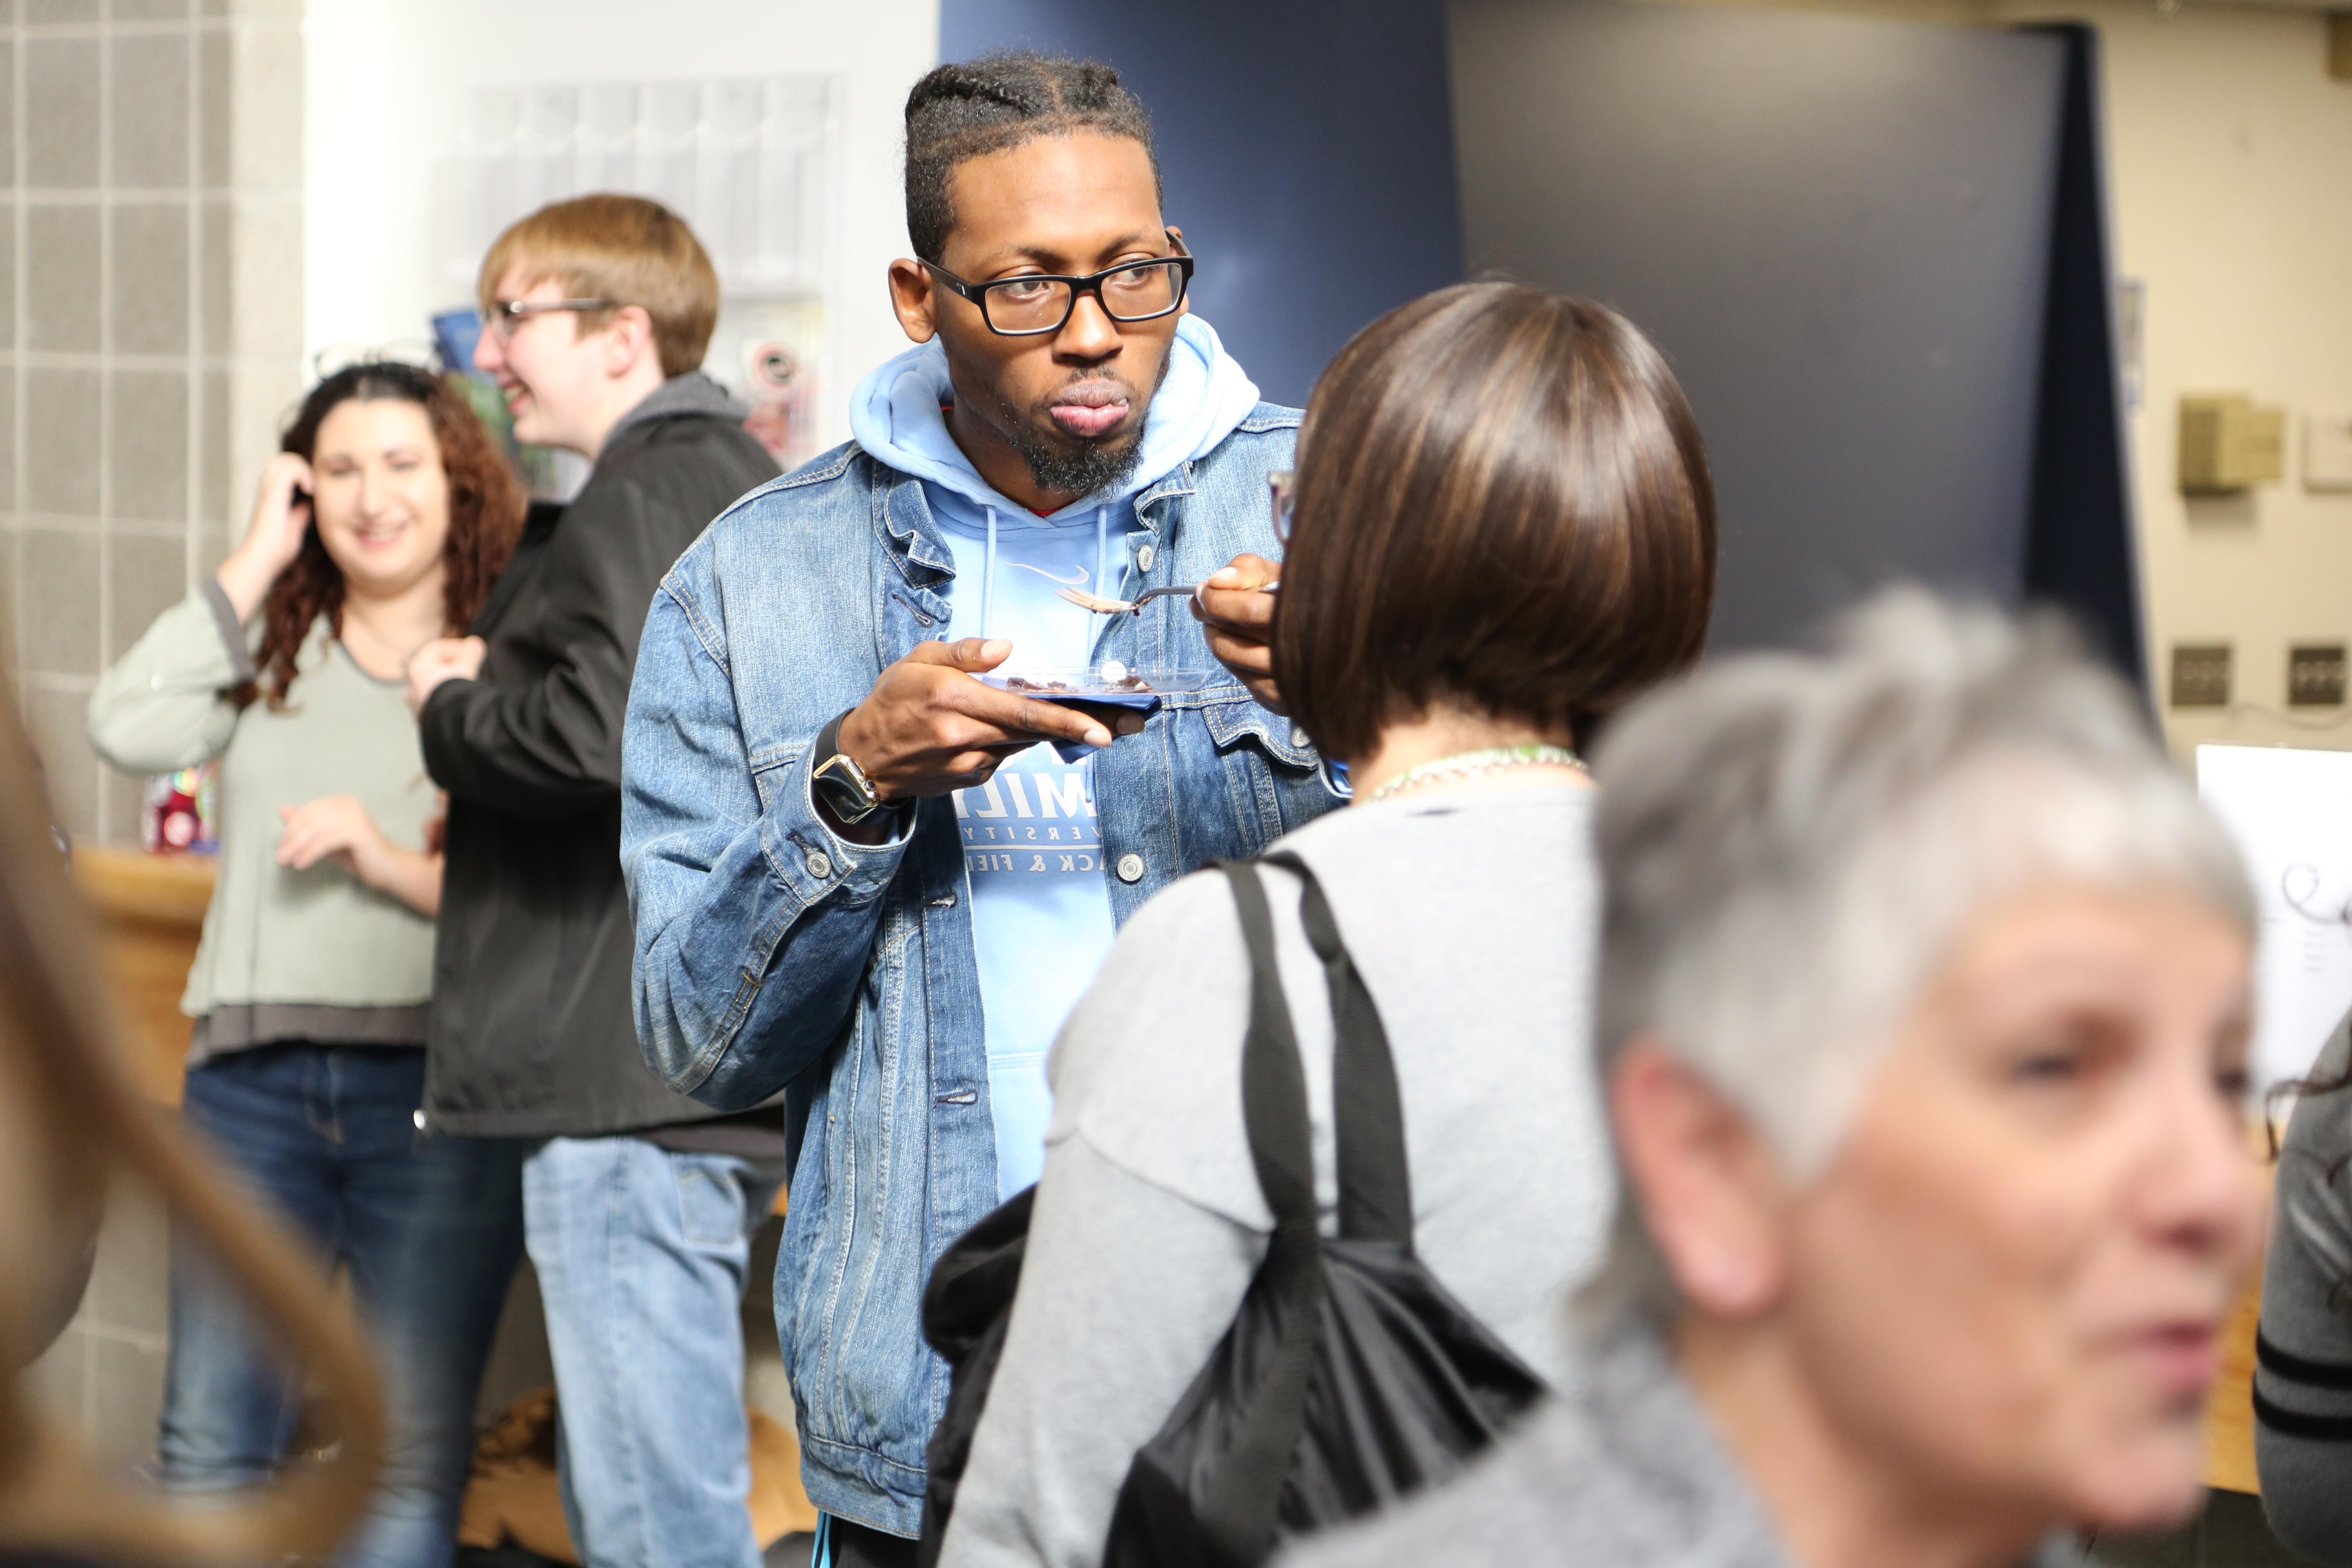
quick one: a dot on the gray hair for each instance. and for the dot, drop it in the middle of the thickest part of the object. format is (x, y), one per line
(1790, 844)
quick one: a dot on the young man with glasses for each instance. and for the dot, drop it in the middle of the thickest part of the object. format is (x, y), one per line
(547, 1129)
(857, 874)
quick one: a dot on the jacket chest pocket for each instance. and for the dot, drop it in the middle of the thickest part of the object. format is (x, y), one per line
(1259, 757)
(1235, 721)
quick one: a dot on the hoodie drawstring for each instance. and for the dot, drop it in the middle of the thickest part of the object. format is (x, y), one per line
(988, 574)
(1102, 562)
(1102, 567)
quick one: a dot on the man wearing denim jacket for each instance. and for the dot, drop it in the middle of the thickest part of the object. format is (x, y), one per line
(854, 871)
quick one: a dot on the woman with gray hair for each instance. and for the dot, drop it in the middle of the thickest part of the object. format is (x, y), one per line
(1924, 1005)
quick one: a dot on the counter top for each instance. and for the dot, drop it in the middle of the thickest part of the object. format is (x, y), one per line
(130, 884)
(149, 912)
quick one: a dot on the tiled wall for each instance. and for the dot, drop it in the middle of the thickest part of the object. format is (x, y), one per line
(104, 1376)
(150, 329)
(151, 307)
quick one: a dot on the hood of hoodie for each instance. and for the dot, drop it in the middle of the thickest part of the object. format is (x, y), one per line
(690, 393)
(895, 415)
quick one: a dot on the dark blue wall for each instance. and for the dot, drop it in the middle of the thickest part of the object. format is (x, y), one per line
(1307, 148)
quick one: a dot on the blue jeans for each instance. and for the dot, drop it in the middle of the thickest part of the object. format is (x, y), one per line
(463, 1241)
(325, 1134)
(640, 1253)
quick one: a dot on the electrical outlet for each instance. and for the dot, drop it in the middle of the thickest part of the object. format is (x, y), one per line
(2315, 675)
(2201, 674)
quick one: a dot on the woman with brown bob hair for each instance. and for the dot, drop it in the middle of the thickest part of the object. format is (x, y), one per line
(378, 528)
(1503, 530)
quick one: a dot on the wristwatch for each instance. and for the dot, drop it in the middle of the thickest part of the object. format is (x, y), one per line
(838, 782)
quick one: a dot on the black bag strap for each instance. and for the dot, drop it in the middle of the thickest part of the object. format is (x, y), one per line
(1238, 1512)
(1375, 1177)
(1375, 1186)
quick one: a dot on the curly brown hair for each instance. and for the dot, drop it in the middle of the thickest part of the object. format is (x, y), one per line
(485, 510)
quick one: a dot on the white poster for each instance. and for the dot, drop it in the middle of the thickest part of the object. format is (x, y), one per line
(2291, 813)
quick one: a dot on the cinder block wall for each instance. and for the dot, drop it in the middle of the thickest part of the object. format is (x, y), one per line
(150, 330)
(105, 1373)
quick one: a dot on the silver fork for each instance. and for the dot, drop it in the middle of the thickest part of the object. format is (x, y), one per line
(1105, 606)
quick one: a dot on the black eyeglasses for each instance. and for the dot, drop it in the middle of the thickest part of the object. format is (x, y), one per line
(505, 315)
(1035, 303)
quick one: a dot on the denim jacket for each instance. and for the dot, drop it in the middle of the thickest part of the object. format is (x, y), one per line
(772, 955)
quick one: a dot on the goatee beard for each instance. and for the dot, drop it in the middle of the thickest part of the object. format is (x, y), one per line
(1093, 464)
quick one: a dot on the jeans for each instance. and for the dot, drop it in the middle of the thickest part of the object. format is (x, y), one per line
(640, 1254)
(325, 1134)
(463, 1240)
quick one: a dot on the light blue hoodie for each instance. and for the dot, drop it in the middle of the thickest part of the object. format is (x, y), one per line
(1040, 920)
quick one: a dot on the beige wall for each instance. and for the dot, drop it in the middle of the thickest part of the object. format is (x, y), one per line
(151, 327)
(150, 330)
(2229, 152)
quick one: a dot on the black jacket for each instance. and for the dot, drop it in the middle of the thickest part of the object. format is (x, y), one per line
(530, 1032)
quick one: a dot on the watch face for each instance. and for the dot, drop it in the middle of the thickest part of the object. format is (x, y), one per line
(841, 792)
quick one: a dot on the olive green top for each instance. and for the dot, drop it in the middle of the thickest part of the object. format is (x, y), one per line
(285, 955)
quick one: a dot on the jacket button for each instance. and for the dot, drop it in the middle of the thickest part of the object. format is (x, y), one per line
(1130, 867)
(418, 1117)
(820, 864)
(1299, 738)
(1145, 557)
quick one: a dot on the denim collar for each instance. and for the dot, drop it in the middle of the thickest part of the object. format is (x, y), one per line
(912, 535)
(1176, 482)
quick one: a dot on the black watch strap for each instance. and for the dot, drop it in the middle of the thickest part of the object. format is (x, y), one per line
(828, 741)
(827, 747)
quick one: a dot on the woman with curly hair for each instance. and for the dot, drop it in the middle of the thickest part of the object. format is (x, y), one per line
(378, 528)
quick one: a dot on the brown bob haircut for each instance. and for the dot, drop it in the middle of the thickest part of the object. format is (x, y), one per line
(1501, 504)
(623, 248)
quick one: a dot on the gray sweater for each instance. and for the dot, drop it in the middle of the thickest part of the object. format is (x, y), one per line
(1472, 918)
(1622, 1472)
(314, 954)
(2307, 1315)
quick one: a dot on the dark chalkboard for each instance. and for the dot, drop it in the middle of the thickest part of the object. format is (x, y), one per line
(1840, 231)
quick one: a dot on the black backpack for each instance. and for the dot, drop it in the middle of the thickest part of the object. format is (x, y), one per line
(1349, 1378)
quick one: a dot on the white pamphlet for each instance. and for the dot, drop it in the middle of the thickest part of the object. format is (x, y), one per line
(2291, 813)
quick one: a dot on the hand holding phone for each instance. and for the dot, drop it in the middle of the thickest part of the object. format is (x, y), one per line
(273, 535)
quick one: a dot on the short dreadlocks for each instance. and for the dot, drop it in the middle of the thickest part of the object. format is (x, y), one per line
(984, 106)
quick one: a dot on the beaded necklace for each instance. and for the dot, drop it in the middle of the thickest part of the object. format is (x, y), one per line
(1471, 765)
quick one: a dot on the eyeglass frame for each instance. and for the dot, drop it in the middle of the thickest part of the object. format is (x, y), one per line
(505, 315)
(1079, 286)
(1282, 496)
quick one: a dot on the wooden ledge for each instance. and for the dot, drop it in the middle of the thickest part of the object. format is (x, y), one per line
(132, 885)
(148, 911)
